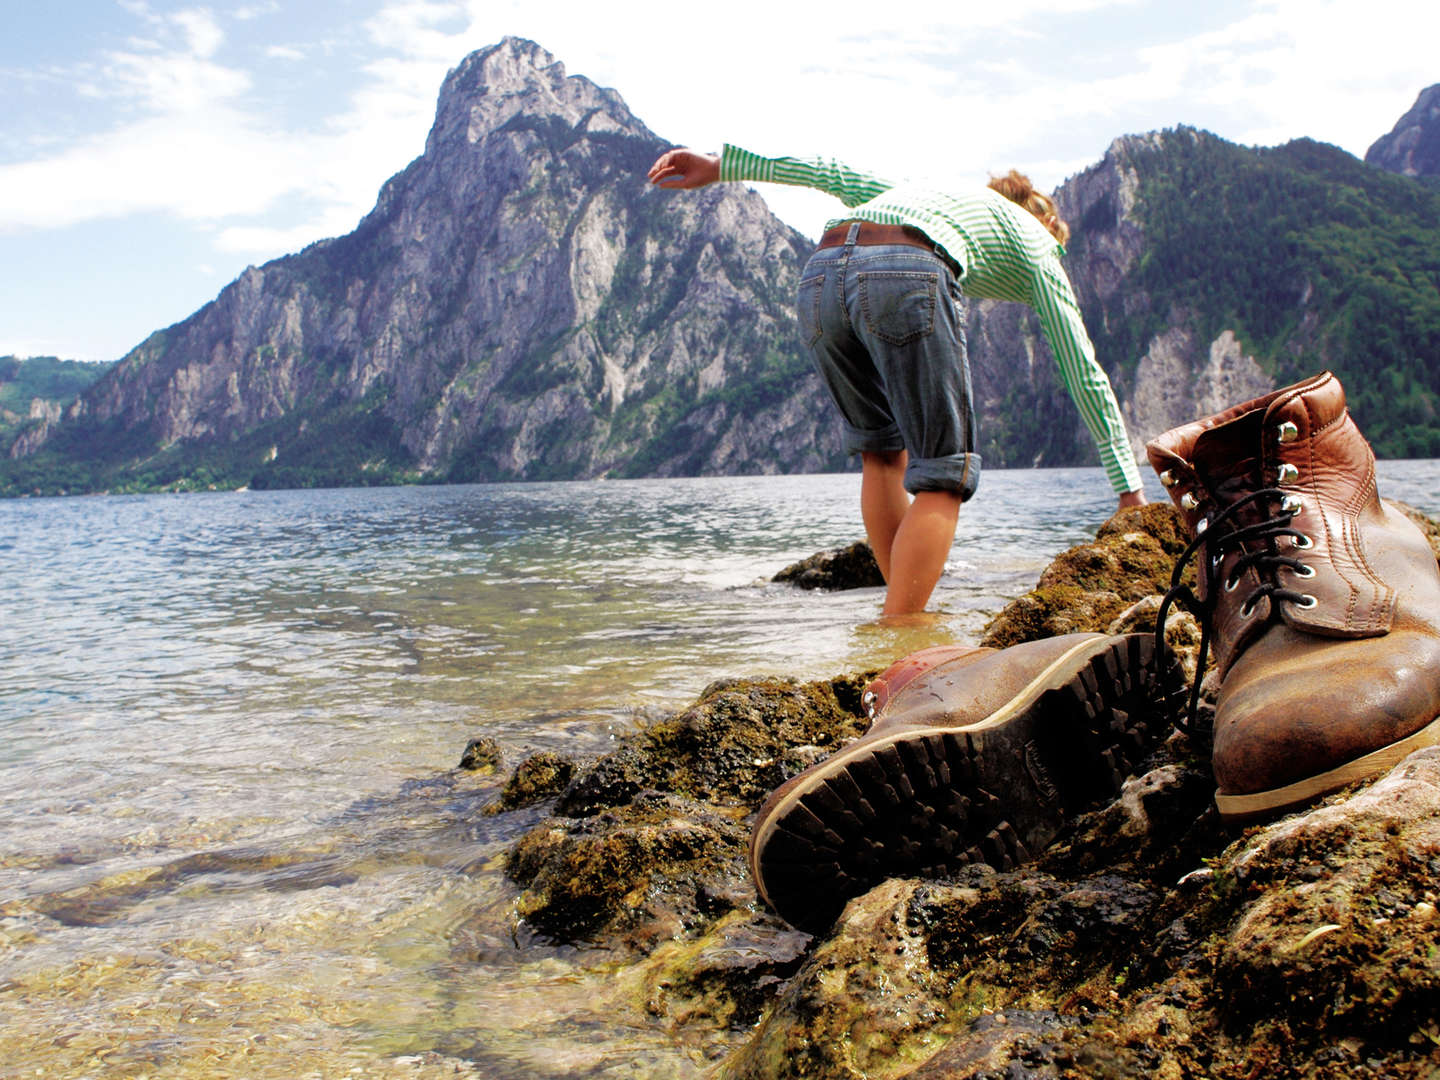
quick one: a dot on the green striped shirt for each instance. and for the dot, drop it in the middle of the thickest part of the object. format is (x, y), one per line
(1003, 253)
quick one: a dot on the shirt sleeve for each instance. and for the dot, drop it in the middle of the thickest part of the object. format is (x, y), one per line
(851, 186)
(1083, 376)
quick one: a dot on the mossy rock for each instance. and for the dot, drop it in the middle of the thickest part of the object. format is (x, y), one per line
(1089, 586)
(659, 868)
(738, 743)
(540, 776)
(852, 567)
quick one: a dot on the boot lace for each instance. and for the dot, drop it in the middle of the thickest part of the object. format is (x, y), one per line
(1258, 545)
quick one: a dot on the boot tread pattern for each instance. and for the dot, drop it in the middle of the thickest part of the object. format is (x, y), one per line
(932, 801)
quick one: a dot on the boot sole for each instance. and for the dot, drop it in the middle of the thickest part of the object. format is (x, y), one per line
(1237, 809)
(928, 801)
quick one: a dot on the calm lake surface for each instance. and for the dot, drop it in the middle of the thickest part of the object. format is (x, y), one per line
(231, 839)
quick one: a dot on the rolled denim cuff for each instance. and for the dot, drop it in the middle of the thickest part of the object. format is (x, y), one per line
(881, 441)
(955, 472)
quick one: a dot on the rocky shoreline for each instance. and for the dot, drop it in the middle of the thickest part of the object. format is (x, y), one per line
(1150, 940)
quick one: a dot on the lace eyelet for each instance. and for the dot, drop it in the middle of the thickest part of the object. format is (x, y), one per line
(1303, 571)
(1188, 501)
(1168, 478)
(1247, 609)
(1287, 432)
(1292, 505)
(1306, 601)
(1288, 474)
(1303, 542)
(1231, 584)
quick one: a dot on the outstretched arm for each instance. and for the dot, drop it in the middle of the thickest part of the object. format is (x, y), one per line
(681, 168)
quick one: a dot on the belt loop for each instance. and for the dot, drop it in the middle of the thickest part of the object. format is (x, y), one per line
(946, 258)
(853, 234)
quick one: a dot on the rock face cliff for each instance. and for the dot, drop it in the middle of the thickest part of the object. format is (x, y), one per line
(520, 304)
(1413, 147)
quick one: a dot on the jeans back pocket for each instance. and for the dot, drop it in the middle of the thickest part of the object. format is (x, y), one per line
(899, 305)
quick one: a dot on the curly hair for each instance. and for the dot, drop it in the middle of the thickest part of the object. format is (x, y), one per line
(1018, 189)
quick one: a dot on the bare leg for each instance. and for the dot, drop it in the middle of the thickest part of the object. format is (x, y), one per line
(883, 501)
(919, 549)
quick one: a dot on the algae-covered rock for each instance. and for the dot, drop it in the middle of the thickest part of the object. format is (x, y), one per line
(735, 745)
(539, 777)
(648, 842)
(852, 567)
(1335, 939)
(482, 755)
(729, 975)
(652, 870)
(1307, 949)
(1089, 586)
(867, 1002)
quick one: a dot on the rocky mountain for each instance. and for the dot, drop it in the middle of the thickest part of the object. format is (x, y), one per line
(521, 305)
(1413, 147)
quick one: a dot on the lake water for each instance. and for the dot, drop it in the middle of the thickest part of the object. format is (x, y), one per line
(231, 839)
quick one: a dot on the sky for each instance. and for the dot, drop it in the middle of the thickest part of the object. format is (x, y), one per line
(151, 150)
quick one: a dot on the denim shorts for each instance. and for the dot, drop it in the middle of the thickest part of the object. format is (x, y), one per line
(885, 328)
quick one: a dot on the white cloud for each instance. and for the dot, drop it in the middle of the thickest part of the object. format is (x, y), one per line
(195, 151)
(1302, 67)
(201, 30)
(267, 241)
(284, 52)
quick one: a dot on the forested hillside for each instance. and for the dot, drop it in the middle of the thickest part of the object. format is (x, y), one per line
(37, 386)
(1314, 259)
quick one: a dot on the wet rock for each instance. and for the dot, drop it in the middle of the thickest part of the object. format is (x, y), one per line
(482, 755)
(653, 870)
(539, 777)
(1334, 937)
(649, 841)
(738, 743)
(728, 976)
(1306, 949)
(852, 567)
(867, 1002)
(1092, 585)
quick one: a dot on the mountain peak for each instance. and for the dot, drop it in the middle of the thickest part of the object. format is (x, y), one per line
(1413, 146)
(514, 78)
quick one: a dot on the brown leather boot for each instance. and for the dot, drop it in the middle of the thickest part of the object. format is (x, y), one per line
(1321, 603)
(981, 757)
(897, 676)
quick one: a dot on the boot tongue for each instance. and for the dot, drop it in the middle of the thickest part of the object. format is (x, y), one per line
(1227, 458)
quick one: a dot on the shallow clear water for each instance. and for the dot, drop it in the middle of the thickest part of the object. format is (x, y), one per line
(230, 840)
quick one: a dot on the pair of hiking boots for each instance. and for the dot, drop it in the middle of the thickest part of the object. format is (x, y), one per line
(1320, 604)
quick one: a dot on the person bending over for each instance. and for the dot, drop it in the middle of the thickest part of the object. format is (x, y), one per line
(879, 312)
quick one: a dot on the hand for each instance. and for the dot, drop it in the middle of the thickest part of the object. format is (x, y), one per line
(682, 168)
(1132, 498)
